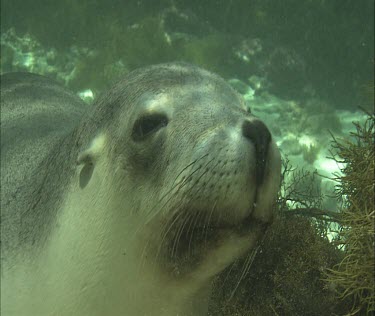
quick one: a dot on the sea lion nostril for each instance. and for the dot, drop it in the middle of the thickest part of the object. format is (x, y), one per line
(258, 133)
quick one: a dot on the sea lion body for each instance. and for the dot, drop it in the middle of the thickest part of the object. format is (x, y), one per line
(132, 205)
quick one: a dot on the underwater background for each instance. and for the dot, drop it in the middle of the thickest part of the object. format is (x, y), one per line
(306, 68)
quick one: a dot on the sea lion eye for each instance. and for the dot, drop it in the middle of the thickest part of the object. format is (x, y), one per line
(147, 125)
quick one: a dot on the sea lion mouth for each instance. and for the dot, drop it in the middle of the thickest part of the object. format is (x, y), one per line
(191, 237)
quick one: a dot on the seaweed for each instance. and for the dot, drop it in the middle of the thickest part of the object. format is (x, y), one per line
(354, 276)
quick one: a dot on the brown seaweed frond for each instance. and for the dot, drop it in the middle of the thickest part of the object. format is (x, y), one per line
(354, 276)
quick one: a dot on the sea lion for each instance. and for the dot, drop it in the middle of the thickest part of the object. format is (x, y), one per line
(132, 205)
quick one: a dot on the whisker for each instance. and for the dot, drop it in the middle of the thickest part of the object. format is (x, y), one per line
(206, 227)
(180, 231)
(180, 186)
(249, 261)
(166, 231)
(228, 273)
(192, 232)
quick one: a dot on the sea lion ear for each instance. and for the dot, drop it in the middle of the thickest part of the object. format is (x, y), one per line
(87, 158)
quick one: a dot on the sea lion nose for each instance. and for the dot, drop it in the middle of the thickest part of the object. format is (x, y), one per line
(257, 132)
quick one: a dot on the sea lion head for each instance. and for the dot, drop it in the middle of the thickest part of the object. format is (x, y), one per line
(133, 205)
(197, 171)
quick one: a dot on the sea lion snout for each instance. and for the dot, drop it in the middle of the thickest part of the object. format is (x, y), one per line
(259, 135)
